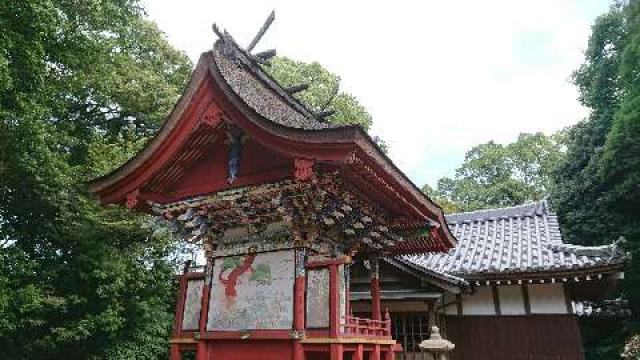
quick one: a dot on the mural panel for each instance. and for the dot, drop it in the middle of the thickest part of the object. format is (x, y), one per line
(192, 305)
(252, 291)
(318, 298)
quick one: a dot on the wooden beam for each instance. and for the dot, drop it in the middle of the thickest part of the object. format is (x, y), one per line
(262, 31)
(496, 299)
(525, 299)
(567, 299)
(296, 88)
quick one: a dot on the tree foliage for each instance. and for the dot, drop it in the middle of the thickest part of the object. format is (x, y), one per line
(496, 175)
(82, 85)
(596, 192)
(447, 205)
(324, 90)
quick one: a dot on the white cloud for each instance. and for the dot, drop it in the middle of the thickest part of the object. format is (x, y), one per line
(438, 77)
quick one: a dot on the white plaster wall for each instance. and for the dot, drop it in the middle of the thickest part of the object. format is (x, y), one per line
(479, 303)
(511, 301)
(547, 299)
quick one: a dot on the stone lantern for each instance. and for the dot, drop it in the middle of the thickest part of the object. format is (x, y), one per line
(436, 346)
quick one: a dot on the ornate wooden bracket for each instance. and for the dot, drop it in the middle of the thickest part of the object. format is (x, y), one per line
(132, 199)
(210, 117)
(303, 169)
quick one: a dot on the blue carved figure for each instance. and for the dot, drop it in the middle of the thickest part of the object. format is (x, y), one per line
(234, 155)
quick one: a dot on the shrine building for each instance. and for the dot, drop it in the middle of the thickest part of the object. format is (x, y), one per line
(318, 247)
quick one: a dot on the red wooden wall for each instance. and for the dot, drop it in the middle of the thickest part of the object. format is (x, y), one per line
(533, 337)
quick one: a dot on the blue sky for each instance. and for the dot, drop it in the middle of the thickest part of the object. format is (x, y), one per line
(437, 76)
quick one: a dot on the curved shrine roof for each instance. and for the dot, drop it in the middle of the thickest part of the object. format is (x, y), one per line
(253, 101)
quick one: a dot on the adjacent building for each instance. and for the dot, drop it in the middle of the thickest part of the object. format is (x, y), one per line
(506, 291)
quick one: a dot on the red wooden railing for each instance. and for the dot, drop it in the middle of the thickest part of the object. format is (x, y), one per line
(356, 326)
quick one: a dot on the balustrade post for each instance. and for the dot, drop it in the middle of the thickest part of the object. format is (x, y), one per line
(387, 319)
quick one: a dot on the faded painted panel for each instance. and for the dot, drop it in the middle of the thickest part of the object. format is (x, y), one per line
(547, 299)
(318, 298)
(192, 305)
(480, 302)
(511, 302)
(252, 292)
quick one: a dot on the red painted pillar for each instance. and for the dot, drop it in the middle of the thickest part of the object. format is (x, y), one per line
(388, 355)
(299, 290)
(174, 352)
(299, 312)
(298, 350)
(182, 295)
(337, 352)
(375, 354)
(359, 353)
(334, 302)
(375, 290)
(347, 288)
(177, 325)
(202, 352)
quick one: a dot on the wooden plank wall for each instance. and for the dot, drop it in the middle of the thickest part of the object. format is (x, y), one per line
(535, 337)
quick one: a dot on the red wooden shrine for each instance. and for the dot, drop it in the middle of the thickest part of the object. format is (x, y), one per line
(283, 203)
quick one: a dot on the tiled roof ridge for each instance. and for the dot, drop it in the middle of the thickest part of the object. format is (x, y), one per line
(539, 207)
(498, 208)
(522, 239)
(611, 251)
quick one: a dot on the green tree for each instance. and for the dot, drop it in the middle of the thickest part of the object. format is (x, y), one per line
(447, 206)
(596, 191)
(495, 175)
(323, 92)
(79, 281)
(83, 86)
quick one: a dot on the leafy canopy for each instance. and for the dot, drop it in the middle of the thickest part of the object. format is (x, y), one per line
(496, 175)
(323, 92)
(83, 86)
(596, 190)
(79, 281)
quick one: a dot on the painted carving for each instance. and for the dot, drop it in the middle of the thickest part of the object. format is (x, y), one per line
(252, 292)
(235, 149)
(318, 298)
(212, 115)
(132, 199)
(303, 169)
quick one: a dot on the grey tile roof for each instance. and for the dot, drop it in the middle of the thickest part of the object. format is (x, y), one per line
(519, 239)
